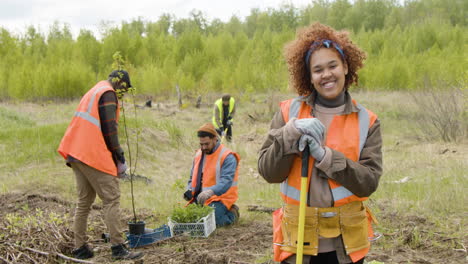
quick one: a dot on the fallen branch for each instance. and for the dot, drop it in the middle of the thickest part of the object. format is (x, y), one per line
(28, 257)
(463, 249)
(137, 177)
(252, 117)
(197, 105)
(4, 260)
(260, 208)
(53, 253)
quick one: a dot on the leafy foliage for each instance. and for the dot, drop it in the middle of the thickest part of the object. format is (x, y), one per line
(190, 214)
(408, 44)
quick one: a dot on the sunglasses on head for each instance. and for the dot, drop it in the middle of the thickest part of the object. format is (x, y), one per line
(322, 43)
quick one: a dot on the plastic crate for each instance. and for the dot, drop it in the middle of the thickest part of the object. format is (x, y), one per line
(150, 236)
(203, 228)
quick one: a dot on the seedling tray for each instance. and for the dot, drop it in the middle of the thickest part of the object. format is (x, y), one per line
(203, 228)
(149, 237)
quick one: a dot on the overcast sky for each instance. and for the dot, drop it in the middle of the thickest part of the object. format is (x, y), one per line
(16, 15)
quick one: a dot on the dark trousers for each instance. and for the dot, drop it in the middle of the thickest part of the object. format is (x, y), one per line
(321, 258)
(228, 130)
(222, 214)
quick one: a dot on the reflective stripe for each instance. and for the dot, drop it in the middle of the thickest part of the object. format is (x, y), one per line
(341, 193)
(91, 102)
(203, 165)
(364, 120)
(285, 188)
(294, 107)
(218, 165)
(218, 171)
(234, 184)
(87, 116)
(290, 191)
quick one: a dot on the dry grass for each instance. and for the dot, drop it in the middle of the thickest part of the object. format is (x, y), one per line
(421, 178)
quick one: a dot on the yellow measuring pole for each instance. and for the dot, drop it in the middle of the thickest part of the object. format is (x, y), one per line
(302, 205)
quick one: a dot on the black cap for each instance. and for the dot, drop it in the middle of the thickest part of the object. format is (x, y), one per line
(122, 75)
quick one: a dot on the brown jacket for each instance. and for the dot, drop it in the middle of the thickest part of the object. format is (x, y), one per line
(361, 178)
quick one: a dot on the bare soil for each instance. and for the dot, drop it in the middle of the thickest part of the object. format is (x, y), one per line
(245, 242)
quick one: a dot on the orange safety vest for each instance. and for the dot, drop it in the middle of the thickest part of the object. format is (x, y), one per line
(83, 139)
(212, 172)
(346, 134)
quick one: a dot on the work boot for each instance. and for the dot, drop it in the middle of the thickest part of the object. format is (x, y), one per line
(84, 252)
(235, 211)
(121, 252)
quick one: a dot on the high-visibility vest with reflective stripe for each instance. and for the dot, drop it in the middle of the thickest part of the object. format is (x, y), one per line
(219, 104)
(212, 173)
(83, 139)
(346, 134)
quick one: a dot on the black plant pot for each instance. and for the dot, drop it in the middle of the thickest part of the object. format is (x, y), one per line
(137, 228)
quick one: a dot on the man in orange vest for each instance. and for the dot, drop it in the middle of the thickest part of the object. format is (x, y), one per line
(345, 146)
(214, 177)
(91, 148)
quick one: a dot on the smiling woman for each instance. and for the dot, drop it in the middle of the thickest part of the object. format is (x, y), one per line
(342, 141)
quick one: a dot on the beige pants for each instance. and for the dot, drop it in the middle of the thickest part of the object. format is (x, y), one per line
(90, 181)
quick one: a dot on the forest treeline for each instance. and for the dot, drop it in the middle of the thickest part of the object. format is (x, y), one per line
(412, 45)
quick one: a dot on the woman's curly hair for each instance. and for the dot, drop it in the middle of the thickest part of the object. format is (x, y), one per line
(295, 51)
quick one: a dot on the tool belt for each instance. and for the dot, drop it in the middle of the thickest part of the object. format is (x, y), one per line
(350, 221)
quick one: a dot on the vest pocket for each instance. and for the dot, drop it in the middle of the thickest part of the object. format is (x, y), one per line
(354, 230)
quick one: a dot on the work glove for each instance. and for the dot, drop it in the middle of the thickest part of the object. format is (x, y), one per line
(121, 169)
(203, 196)
(315, 149)
(229, 123)
(188, 195)
(221, 131)
(312, 127)
(123, 176)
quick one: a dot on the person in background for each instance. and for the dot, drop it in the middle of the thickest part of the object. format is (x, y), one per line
(223, 114)
(91, 148)
(345, 144)
(214, 177)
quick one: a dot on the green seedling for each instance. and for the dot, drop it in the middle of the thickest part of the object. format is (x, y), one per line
(190, 214)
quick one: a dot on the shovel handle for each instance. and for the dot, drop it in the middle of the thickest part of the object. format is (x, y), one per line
(302, 205)
(305, 162)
